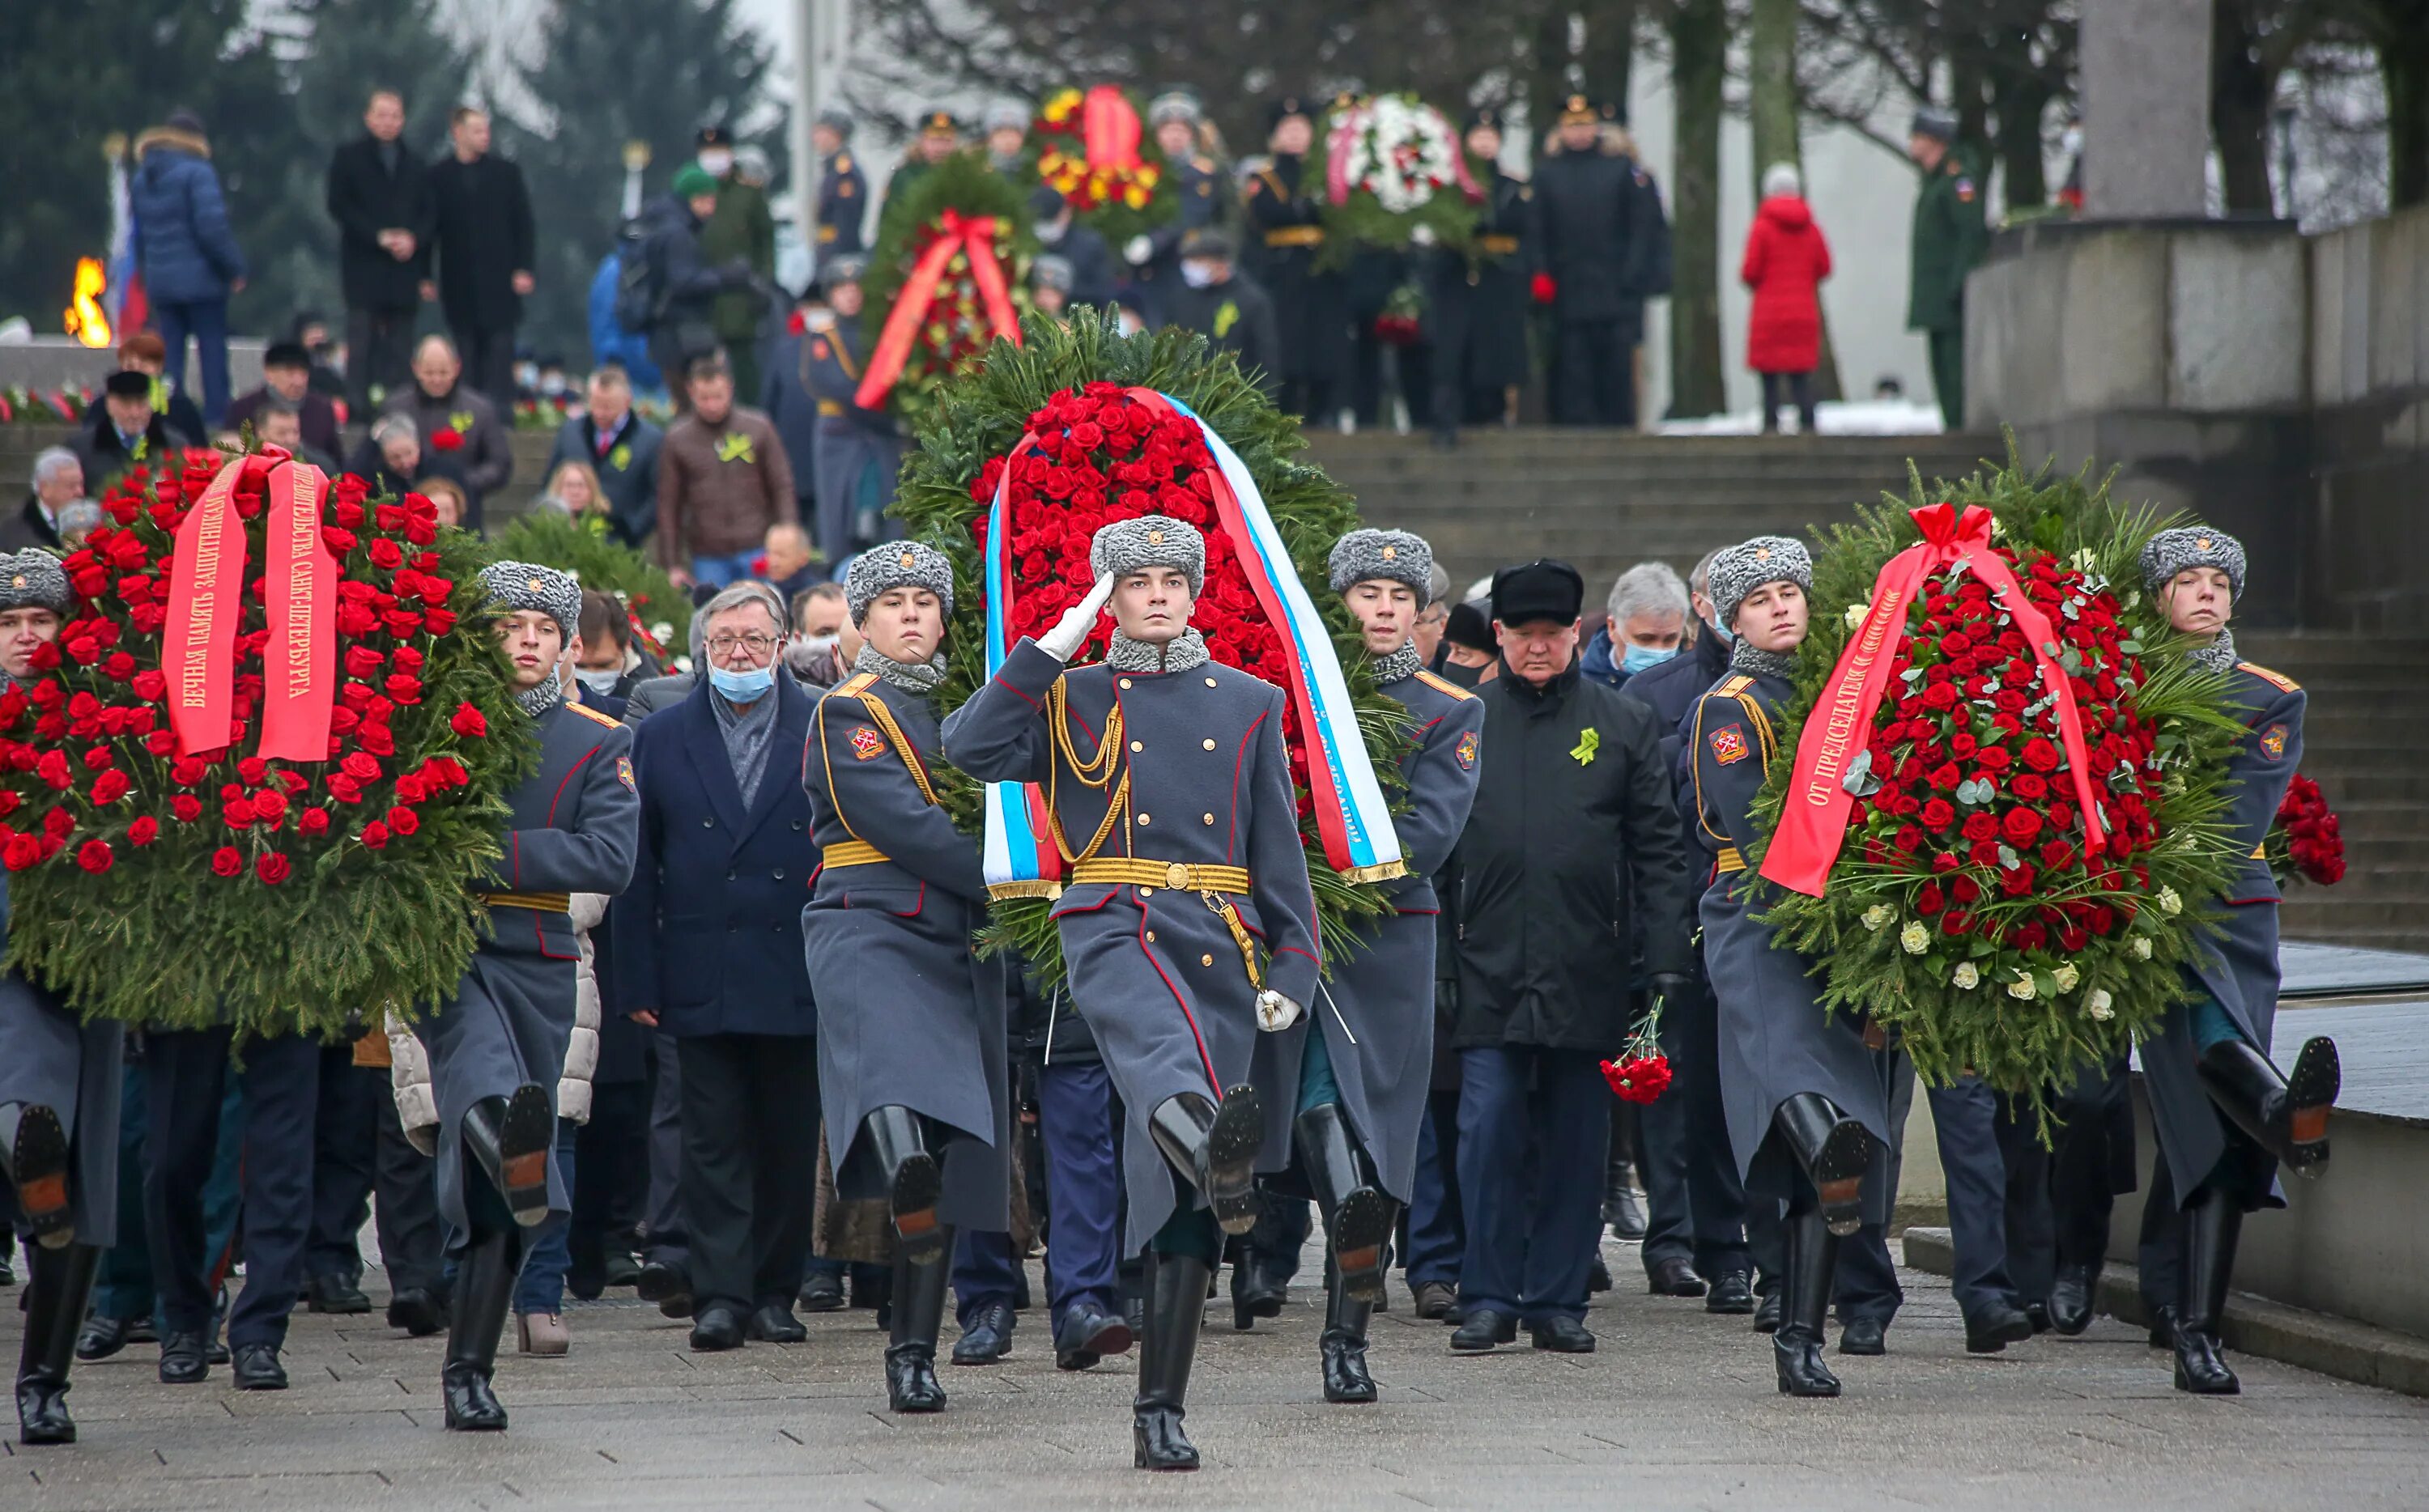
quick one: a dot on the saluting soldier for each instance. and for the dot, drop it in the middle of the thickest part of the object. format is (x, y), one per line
(858, 452)
(58, 1089)
(1368, 1066)
(2223, 1114)
(1951, 233)
(496, 1047)
(842, 209)
(1806, 1104)
(912, 1063)
(1194, 180)
(1479, 296)
(740, 230)
(1286, 226)
(1188, 923)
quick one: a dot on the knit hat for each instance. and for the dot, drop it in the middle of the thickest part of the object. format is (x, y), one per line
(692, 181)
(1737, 571)
(897, 564)
(2169, 553)
(1392, 556)
(33, 580)
(1127, 546)
(517, 585)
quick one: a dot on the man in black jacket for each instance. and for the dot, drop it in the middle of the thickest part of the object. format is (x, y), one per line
(1593, 239)
(380, 199)
(1576, 825)
(1231, 311)
(485, 253)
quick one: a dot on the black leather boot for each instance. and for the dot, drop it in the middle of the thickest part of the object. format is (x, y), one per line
(2286, 1115)
(1359, 1217)
(1176, 1302)
(1255, 1293)
(1834, 1149)
(34, 1158)
(485, 1285)
(914, 1181)
(510, 1139)
(1215, 1149)
(1805, 1300)
(2073, 1297)
(911, 1384)
(1344, 1345)
(2211, 1227)
(62, 1283)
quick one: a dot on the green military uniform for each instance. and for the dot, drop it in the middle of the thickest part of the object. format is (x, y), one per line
(740, 228)
(1950, 234)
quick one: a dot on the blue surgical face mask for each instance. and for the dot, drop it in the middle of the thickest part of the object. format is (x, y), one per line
(1637, 658)
(1727, 635)
(742, 687)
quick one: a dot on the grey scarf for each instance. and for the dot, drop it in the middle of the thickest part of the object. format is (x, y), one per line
(2218, 656)
(1744, 657)
(749, 733)
(1128, 655)
(540, 700)
(920, 679)
(1398, 667)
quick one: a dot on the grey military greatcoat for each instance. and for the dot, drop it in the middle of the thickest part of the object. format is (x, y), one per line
(48, 1058)
(1202, 780)
(908, 1015)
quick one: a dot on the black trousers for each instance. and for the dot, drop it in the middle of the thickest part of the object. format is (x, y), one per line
(2091, 1157)
(488, 354)
(748, 1173)
(1594, 373)
(611, 1166)
(346, 1161)
(412, 1236)
(1788, 389)
(2032, 1241)
(670, 1236)
(186, 1074)
(379, 353)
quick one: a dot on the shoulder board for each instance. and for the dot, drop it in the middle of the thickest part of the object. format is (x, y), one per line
(595, 717)
(1444, 685)
(2277, 680)
(1735, 684)
(857, 683)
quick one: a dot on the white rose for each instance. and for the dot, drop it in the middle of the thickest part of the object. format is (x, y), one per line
(1877, 917)
(2066, 977)
(1967, 976)
(2170, 902)
(1856, 613)
(2022, 986)
(2099, 1007)
(2141, 947)
(1915, 937)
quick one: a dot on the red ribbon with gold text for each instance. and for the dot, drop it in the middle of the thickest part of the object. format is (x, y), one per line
(973, 234)
(207, 578)
(1814, 819)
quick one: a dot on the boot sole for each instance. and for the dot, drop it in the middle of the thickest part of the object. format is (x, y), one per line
(529, 1133)
(1231, 1145)
(41, 1163)
(1839, 1176)
(2312, 1090)
(1361, 1229)
(918, 1182)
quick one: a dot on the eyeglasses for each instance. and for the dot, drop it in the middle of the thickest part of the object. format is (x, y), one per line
(758, 643)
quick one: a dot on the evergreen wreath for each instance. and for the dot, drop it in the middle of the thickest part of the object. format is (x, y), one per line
(953, 334)
(1404, 161)
(660, 612)
(1962, 914)
(1118, 202)
(949, 483)
(188, 891)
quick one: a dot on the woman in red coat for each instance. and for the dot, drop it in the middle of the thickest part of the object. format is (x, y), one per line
(1786, 260)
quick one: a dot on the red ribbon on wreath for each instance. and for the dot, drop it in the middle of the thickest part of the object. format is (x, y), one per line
(206, 580)
(1813, 819)
(973, 234)
(1109, 129)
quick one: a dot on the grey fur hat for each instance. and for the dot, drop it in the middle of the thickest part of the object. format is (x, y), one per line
(517, 585)
(1006, 116)
(1172, 104)
(897, 564)
(33, 578)
(1150, 540)
(1737, 571)
(1050, 272)
(2169, 553)
(1396, 556)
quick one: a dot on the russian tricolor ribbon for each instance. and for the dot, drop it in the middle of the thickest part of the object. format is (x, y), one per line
(973, 236)
(1352, 817)
(1813, 819)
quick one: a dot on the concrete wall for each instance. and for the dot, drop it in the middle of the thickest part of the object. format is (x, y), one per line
(2367, 536)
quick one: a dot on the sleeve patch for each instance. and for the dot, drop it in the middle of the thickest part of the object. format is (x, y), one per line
(624, 774)
(2272, 742)
(1728, 745)
(1464, 752)
(1965, 190)
(866, 743)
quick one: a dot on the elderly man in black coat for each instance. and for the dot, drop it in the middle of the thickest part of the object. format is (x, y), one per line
(380, 198)
(1573, 844)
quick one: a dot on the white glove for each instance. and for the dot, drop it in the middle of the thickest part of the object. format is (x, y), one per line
(1063, 642)
(1137, 250)
(1421, 235)
(1276, 1012)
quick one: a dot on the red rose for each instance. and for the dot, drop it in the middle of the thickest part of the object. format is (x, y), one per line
(110, 787)
(1939, 814)
(2020, 826)
(150, 684)
(1992, 757)
(144, 830)
(404, 687)
(377, 740)
(387, 555)
(404, 820)
(21, 853)
(361, 661)
(447, 438)
(238, 812)
(360, 766)
(1956, 921)
(1931, 900)
(375, 836)
(312, 822)
(339, 541)
(53, 769)
(227, 862)
(439, 621)
(2041, 755)
(467, 722)
(94, 856)
(344, 789)
(270, 806)
(1966, 891)
(273, 868)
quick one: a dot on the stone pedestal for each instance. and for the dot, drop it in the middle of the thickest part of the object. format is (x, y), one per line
(2145, 107)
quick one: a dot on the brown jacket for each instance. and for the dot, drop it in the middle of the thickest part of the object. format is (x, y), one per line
(721, 487)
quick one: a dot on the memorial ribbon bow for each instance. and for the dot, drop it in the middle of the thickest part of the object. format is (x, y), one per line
(206, 580)
(1813, 819)
(973, 234)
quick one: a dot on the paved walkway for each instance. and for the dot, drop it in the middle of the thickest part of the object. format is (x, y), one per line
(1677, 1410)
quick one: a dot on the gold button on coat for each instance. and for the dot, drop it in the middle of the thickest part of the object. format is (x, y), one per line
(1210, 819)
(1150, 937)
(1206, 961)
(1208, 744)
(1210, 683)
(1138, 745)
(1126, 682)
(1142, 818)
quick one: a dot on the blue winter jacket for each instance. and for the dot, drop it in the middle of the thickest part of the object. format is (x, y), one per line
(609, 340)
(182, 244)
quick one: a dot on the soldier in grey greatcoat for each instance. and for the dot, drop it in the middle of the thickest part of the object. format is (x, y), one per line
(912, 1061)
(496, 1047)
(2223, 1114)
(1369, 1068)
(59, 1091)
(1806, 1102)
(1188, 923)
(859, 451)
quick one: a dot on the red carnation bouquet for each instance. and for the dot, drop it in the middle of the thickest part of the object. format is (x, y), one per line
(2306, 841)
(1641, 1073)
